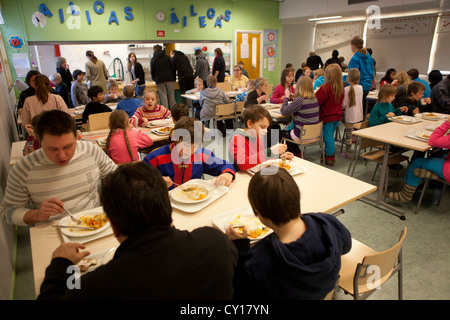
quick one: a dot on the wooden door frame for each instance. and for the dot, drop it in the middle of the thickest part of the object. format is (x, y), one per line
(261, 47)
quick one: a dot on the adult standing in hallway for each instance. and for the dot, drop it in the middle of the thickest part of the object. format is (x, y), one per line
(66, 76)
(219, 65)
(184, 70)
(136, 71)
(202, 69)
(314, 61)
(163, 73)
(96, 71)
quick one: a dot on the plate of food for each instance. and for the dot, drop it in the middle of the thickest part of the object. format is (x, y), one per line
(290, 167)
(239, 218)
(162, 131)
(161, 123)
(430, 116)
(95, 260)
(93, 222)
(404, 119)
(102, 141)
(423, 135)
(432, 127)
(190, 192)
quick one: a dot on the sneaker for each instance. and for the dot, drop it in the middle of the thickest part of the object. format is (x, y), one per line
(330, 160)
(345, 155)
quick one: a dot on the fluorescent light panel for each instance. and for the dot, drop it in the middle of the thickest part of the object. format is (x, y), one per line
(325, 18)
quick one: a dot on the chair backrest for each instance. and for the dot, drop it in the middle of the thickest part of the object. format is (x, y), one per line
(382, 263)
(227, 109)
(99, 121)
(239, 107)
(225, 86)
(312, 131)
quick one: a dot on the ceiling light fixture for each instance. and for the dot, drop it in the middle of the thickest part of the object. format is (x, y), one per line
(324, 18)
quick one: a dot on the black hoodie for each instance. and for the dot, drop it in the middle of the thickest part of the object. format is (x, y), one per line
(306, 269)
(161, 67)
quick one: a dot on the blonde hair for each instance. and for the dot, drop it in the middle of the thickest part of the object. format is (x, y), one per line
(118, 120)
(259, 82)
(128, 91)
(304, 88)
(403, 79)
(359, 44)
(197, 81)
(154, 92)
(353, 78)
(333, 77)
(318, 72)
(386, 90)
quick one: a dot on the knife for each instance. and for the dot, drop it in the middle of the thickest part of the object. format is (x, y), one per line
(82, 228)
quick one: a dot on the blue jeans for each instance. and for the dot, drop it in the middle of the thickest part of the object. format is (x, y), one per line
(431, 164)
(140, 90)
(328, 137)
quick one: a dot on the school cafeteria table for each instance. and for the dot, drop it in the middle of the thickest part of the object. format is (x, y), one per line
(314, 183)
(77, 112)
(395, 133)
(191, 97)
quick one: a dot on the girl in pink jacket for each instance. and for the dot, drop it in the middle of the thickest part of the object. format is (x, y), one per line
(427, 167)
(285, 89)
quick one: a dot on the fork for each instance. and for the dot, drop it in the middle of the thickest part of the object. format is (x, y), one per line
(77, 221)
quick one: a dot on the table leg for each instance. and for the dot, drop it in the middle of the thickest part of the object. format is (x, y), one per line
(381, 188)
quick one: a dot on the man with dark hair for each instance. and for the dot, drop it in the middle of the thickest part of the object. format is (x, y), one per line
(163, 73)
(154, 260)
(202, 69)
(97, 96)
(414, 75)
(301, 259)
(184, 70)
(63, 173)
(440, 96)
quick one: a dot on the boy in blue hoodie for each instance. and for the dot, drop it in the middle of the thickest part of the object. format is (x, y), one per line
(362, 61)
(301, 259)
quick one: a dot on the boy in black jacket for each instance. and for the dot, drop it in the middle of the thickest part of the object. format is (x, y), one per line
(96, 105)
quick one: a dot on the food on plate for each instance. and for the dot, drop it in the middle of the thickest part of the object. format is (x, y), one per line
(192, 192)
(398, 118)
(165, 129)
(430, 115)
(84, 264)
(280, 164)
(95, 221)
(255, 228)
(425, 135)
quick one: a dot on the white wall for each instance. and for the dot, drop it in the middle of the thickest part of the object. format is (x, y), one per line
(297, 42)
(8, 134)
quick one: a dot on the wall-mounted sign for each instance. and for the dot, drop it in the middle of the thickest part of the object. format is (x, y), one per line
(210, 14)
(160, 33)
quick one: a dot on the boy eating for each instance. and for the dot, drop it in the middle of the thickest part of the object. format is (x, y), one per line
(185, 159)
(96, 105)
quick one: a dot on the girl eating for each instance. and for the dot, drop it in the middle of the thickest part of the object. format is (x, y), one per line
(285, 89)
(150, 111)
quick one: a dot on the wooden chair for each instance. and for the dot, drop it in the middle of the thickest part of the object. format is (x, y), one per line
(330, 294)
(239, 111)
(224, 112)
(311, 133)
(225, 86)
(98, 121)
(438, 194)
(363, 268)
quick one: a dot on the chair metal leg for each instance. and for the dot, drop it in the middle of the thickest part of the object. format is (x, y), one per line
(424, 189)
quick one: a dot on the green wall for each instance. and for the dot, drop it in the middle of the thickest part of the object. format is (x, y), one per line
(245, 15)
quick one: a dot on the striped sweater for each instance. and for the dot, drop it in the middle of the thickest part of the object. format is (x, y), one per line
(167, 161)
(160, 112)
(303, 111)
(34, 178)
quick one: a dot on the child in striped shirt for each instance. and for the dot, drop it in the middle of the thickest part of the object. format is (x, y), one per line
(150, 111)
(304, 108)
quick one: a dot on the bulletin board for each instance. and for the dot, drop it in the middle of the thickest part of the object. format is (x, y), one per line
(333, 34)
(403, 27)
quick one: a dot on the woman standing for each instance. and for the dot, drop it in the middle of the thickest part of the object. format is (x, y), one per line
(362, 61)
(218, 69)
(137, 73)
(96, 71)
(43, 100)
(63, 69)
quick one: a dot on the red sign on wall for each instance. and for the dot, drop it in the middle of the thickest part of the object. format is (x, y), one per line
(160, 33)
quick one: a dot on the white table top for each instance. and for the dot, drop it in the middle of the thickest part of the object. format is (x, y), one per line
(394, 133)
(315, 182)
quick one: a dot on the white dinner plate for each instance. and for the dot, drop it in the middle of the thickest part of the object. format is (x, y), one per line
(160, 123)
(187, 197)
(430, 116)
(404, 119)
(66, 221)
(244, 216)
(267, 166)
(102, 141)
(160, 131)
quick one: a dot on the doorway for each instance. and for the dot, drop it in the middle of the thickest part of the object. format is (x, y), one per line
(248, 50)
